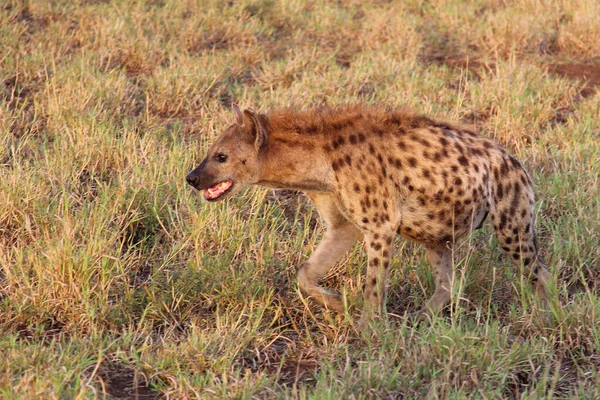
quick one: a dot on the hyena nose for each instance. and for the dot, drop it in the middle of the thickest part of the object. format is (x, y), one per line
(192, 179)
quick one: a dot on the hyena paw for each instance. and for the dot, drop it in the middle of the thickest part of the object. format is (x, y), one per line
(332, 300)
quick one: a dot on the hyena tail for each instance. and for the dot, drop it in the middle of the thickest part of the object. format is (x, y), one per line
(511, 205)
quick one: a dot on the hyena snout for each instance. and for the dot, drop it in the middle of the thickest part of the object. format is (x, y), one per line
(199, 178)
(211, 186)
(192, 179)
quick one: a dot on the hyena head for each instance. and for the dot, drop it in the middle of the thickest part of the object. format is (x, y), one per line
(234, 160)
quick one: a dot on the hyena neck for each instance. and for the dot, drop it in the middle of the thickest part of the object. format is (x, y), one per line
(295, 163)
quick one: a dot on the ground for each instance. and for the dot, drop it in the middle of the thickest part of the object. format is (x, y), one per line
(117, 279)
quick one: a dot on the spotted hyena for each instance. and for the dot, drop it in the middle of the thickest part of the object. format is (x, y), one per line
(373, 173)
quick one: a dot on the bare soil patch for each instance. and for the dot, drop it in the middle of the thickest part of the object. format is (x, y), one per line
(471, 64)
(588, 73)
(297, 366)
(122, 382)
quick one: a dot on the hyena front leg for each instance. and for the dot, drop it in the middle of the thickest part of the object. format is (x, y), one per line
(339, 238)
(379, 248)
(440, 260)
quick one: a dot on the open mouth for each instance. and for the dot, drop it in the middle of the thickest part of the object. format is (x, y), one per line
(217, 191)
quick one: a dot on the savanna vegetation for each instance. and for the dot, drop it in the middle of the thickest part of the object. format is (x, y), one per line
(117, 279)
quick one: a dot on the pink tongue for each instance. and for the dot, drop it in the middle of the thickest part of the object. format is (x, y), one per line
(217, 190)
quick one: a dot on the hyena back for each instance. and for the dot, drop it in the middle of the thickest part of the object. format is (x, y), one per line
(372, 174)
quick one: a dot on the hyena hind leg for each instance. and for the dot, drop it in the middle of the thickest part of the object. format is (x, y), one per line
(516, 235)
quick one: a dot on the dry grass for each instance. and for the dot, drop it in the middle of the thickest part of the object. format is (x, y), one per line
(116, 279)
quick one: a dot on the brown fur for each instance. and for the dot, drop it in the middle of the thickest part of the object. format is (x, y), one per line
(372, 173)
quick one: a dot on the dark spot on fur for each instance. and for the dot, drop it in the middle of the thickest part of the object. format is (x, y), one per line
(311, 129)
(503, 221)
(458, 181)
(335, 165)
(412, 162)
(365, 220)
(361, 138)
(524, 180)
(353, 139)
(515, 200)
(348, 160)
(500, 191)
(401, 145)
(356, 188)
(463, 161)
(375, 262)
(504, 167)
(514, 162)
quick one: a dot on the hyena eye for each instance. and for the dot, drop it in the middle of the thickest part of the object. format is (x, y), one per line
(220, 157)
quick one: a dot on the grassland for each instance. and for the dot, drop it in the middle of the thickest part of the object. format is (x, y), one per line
(117, 279)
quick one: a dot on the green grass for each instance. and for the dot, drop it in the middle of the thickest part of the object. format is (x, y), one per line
(114, 274)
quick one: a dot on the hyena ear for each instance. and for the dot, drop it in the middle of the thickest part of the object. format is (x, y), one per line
(238, 114)
(257, 128)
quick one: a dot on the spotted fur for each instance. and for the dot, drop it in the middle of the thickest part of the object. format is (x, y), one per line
(373, 173)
